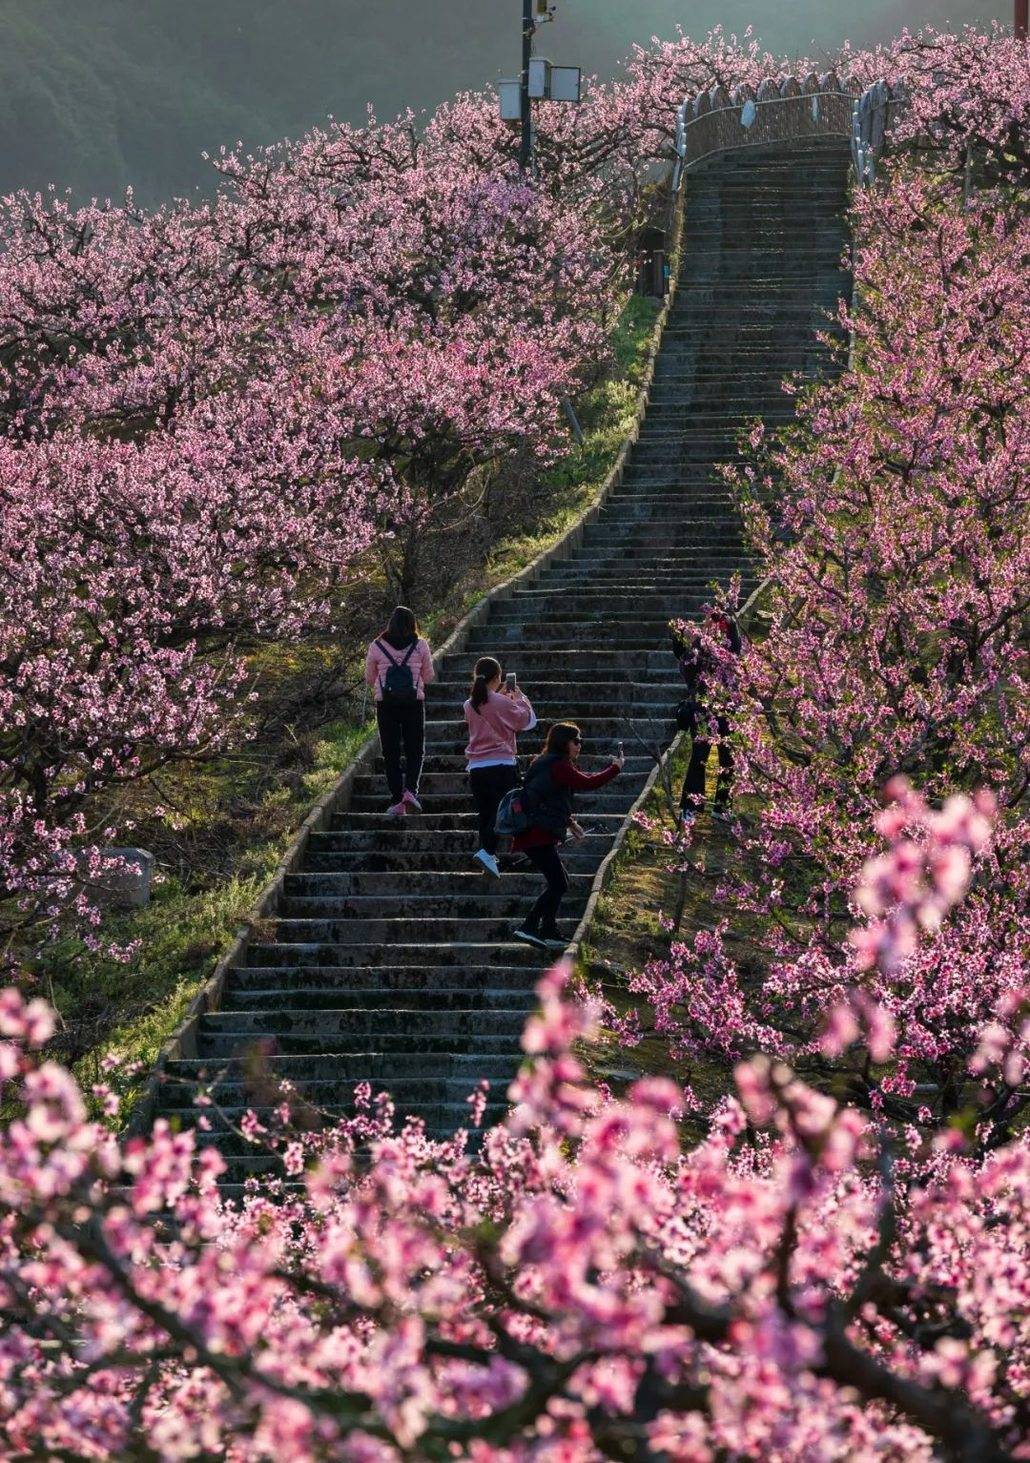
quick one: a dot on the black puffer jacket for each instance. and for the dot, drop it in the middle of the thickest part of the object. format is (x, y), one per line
(549, 806)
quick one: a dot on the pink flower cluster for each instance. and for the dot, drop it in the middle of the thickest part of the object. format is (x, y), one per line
(212, 413)
(587, 1282)
(914, 885)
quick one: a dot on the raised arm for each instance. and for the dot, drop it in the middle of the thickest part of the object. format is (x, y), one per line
(515, 711)
(566, 775)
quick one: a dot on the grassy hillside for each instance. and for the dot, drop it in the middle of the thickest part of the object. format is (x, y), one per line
(102, 97)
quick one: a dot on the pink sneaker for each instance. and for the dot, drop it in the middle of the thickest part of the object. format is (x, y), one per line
(411, 801)
(397, 810)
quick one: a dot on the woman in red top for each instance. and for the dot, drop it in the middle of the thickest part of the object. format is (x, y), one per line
(550, 785)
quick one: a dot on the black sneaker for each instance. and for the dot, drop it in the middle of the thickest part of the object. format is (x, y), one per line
(529, 937)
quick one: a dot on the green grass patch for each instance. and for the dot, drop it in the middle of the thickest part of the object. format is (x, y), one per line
(627, 930)
(133, 1006)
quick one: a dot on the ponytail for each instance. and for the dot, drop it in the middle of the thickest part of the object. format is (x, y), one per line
(487, 669)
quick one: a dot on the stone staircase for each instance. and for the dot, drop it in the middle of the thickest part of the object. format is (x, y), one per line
(391, 958)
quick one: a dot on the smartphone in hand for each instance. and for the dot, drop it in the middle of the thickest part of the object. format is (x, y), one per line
(511, 681)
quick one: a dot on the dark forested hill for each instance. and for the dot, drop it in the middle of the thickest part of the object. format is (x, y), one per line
(97, 94)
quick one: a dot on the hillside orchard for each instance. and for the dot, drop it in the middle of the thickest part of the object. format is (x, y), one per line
(212, 415)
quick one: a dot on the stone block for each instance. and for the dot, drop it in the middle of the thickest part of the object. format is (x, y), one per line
(128, 887)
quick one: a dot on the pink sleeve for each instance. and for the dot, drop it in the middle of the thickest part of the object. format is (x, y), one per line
(371, 666)
(428, 670)
(514, 714)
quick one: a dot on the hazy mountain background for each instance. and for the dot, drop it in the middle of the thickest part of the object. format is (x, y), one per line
(99, 94)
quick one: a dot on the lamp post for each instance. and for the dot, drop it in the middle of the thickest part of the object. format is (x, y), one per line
(538, 80)
(526, 143)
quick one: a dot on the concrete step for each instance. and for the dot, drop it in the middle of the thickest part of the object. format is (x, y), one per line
(453, 785)
(438, 954)
(682, 410)
(616, 570)
(403, 838)
(452, 1037)
(558, 700)
(449, 865)
(539, 601)
(603, 732)
(611, 798)
(533, 664)
(349, 918)
(652, 544)
(661, 547)
(386, 979)
(605, 607)
(611, 625)
(374, 1065)
(647, 494)
(317, 997)
(318, 1030)
(507, 640)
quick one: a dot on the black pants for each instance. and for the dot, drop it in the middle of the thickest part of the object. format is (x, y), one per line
(402, 727)
(694, 782)
(542, 918)
(488, 785)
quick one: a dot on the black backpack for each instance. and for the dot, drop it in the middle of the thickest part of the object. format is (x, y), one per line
(547, 805)
(399, 683)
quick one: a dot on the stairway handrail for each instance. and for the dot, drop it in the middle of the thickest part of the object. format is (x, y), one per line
(870, 120)
(809, 107)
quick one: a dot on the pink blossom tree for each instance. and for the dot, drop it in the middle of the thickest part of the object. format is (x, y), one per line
(890, 521)
(214, 414)
(587, 1287)
(134, 578)
(965, 91)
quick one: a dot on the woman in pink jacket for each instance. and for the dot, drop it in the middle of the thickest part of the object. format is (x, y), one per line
(495, 714)
(399, 667)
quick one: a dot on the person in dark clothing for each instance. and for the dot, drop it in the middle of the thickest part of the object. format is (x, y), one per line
(398, 668)
(552, 781)
(696, 664)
